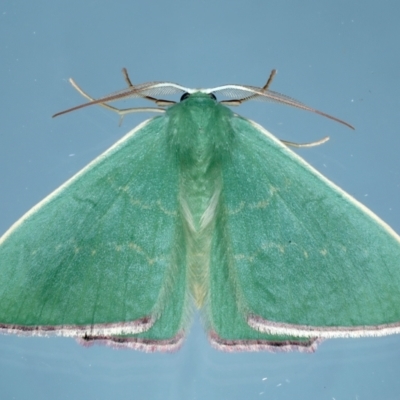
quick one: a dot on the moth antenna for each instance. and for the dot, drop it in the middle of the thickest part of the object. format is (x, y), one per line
(102, 103)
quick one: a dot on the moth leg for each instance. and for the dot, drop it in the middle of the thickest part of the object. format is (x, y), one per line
(270, 79)
(159, 102)
(301, 145)
(126, 77)
(238, 102)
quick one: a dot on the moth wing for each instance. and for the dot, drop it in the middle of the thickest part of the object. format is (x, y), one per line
(103, 254)
(300, 257)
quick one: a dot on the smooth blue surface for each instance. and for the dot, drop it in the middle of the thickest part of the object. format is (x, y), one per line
(341, 57)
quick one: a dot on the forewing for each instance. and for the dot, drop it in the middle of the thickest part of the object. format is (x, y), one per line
(102, 254)
(301, 257)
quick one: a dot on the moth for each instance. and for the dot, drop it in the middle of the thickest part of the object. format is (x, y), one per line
(200, 208)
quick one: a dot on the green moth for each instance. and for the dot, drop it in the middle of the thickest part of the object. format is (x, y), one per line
(200, 208)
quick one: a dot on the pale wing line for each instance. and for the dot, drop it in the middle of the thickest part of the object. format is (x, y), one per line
(120, 328)
(72, 179)
(276, 328)
(351, 199)
(263, 204)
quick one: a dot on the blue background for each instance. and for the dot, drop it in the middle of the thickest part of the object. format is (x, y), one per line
(340, 56)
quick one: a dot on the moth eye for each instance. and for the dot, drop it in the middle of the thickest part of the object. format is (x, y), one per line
(185, 96)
